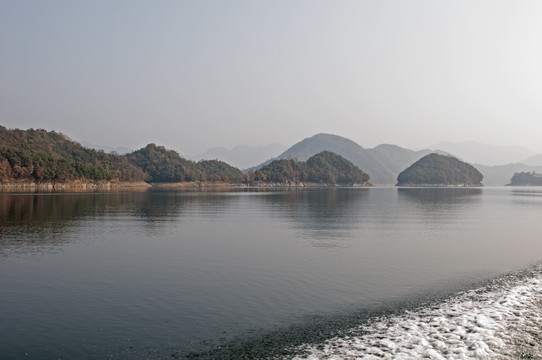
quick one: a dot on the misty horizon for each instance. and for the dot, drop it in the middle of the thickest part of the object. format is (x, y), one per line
(433, 146)
(192, 76)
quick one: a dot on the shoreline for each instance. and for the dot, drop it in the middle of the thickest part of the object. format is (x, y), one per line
(71, 186)
(105, 185)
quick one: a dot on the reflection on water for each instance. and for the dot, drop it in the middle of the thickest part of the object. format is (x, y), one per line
(323, 216)
(439, 195)
(439, 205)
(531, 195)
(42, 220)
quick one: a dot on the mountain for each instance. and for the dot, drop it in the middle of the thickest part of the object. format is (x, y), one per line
(323, 168)
(533, 160)
(242, 156)
(382, 163)
(121, 150)
(435, 169)
(501, 175)
(478, 153)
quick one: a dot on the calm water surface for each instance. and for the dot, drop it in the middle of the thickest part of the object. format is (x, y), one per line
(162, 274)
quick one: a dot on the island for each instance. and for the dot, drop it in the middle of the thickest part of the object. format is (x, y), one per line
(440, 170)
(526, 179)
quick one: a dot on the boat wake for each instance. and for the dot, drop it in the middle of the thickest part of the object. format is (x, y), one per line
(502, 320)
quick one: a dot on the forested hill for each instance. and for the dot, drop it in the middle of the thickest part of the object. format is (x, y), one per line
(162, 165)
(39, 155)
(526, 179)
(323, 168)
(48, 156)
(435, 169)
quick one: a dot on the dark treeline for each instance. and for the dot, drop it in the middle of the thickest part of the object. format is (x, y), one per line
(48, 156)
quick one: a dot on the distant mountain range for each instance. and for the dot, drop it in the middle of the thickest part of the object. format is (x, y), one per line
(533, 160)
(242, 156)
(121, 150)
(383, 163)
(489, 155)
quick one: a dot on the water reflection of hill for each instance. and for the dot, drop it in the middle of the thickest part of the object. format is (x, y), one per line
(324, 216)
(439, 195)
(437, 205)
(40, 220)
(55, 210)
(331, 217)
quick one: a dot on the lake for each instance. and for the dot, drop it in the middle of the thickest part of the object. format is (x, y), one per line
(262, 273)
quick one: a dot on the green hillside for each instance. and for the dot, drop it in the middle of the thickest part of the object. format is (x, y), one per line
(435, 169)
(323, 168)
(40, 155)
(216, 170)
(167, 166)
(162, 165)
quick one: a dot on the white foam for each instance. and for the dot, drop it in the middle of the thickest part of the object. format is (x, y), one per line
(501, 322)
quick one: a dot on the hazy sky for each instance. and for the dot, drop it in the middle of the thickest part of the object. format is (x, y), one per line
(195, 74)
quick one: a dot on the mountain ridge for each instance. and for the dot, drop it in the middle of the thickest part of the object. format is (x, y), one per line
(535, 160)
(478, 153)
(121, 150)
(241, 156)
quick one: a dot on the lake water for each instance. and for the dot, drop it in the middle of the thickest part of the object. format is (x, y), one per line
(315, 273)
